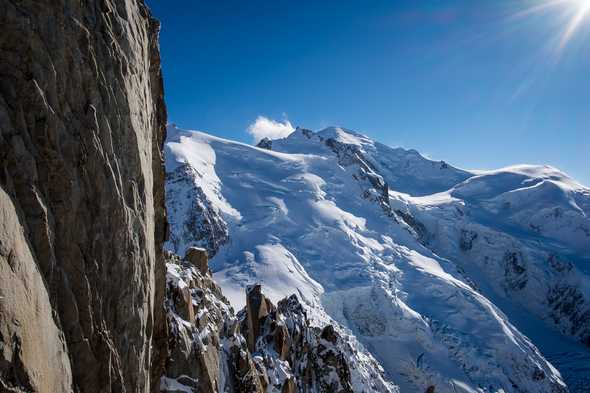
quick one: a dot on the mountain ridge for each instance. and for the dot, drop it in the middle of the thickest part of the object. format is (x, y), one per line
(306, 202)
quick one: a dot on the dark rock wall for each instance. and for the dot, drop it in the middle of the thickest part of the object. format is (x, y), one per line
(82, 123)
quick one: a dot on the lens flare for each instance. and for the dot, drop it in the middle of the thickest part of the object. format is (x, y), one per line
(575, 11)
(555, 24)
(583, 6)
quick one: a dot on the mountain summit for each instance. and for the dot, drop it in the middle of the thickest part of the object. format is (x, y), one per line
(469, 281)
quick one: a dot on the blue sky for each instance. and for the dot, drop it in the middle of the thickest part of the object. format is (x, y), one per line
(480, 84)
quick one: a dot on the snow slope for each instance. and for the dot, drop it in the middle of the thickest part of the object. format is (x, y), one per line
(368, 234)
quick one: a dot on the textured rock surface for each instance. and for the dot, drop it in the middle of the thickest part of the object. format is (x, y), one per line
(208, 353)
(297, 357)
(32, 349)
(265, 143)
(202, 223)
(198, 257)
(257, 309)
(82, 122)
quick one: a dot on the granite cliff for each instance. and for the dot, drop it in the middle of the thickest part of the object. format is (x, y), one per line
(82, 123)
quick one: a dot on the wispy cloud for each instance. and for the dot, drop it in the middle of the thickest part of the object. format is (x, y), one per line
(263, 127)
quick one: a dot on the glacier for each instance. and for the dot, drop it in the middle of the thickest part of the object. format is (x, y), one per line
(462, 280)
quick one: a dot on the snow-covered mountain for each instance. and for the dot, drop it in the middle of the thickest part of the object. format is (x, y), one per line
(459, 280)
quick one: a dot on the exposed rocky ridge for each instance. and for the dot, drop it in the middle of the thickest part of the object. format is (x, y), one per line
(373, 185)
(82, 123)
(265, 143)
(265, 348)
(404, 170)
(378, 190)
(202, 222)
(208, 354)
(299, 357)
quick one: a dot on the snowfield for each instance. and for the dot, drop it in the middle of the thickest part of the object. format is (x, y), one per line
(437, 271)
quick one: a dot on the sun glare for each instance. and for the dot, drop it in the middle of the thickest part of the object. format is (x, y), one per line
(583, 6)
(575, 13)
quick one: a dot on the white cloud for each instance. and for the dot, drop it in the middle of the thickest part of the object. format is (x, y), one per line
(264, 127)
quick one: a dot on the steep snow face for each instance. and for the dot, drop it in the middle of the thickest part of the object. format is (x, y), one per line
(314, 216)
(194, 202)
(406, 170)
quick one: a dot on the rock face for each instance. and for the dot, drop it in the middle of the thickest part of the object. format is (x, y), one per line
(295, 355)
(202, 223)
(265, 143)
(265, 348)
(33, 356)
(258, 307)
(82, 122)
(198, 257)
(208, 352)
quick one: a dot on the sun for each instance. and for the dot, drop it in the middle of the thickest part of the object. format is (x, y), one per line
(581, 10)
(584, 5)
(574, 12)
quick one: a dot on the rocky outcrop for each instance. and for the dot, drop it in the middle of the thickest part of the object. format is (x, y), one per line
(376, 188)
(82, 123)
(208, 352)
(265, 143)
(568, 303)
(258, 307)
(190, 209)
(265, 348)
(295, 355)
(198, 257)
(515, 271)
(466, 240)
(373, 185)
